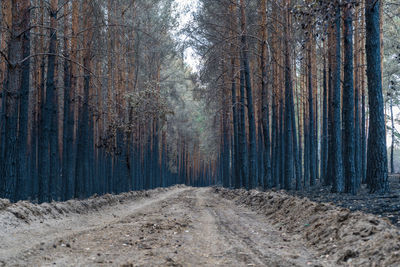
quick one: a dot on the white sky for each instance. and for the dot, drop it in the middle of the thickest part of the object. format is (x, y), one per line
(396, 113)
(185, 9)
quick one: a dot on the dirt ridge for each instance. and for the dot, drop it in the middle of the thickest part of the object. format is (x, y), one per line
(350, 238)
(13, 215)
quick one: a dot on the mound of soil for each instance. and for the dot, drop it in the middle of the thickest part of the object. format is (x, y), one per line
(387, 205)
(23, 212)
(349, 238)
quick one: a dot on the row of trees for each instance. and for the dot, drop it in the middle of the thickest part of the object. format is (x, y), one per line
(96, 97)
(298, 87)
(391, 77)
(92, 99)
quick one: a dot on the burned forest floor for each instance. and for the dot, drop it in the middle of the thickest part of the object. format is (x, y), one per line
(387, 205)
(185, 226)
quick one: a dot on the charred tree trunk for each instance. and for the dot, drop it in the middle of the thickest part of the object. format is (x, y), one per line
(265, 98)
(348, 104)
(11, 94)
(324, 147)
(243, 159)
(250, 108)
(377, 169)
(289, 131)
(311, 128)
(337, 163)
(70, 73)
(22, 185)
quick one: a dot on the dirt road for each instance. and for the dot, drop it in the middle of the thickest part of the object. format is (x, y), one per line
(180, 227)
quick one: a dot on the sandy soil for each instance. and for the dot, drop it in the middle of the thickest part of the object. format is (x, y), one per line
(180, 226)
(337, 234)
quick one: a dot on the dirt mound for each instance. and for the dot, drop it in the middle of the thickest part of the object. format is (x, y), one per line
(387, 205)
(348, 238)
(23, 212)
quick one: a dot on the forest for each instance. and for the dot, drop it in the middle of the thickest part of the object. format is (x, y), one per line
(302, 100)
(200, 133)
(100, 97)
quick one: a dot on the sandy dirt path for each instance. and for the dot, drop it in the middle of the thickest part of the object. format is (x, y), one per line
(181, 227)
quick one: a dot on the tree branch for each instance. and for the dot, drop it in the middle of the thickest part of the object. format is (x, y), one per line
(6, 58)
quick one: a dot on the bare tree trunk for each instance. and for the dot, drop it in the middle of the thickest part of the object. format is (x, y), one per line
(348, 103)
(48, 163)
(250, 108)
(10, 166)
(265, 96)
(337, 163)
(393, 137)
(22, 185)
(82, 177)
(377, 167)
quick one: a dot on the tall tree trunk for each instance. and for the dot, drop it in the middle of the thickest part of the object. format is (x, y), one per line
(289, 159)
(265, 96)
(82, 176)
(357, 82)
(363, 133)
(311, 128)
(393, 137)
(250, 108)
(243, 159)
(22, 186)
(50, 116)
(377, 168)
(331, 52)
(69, 96)
(275, 141)
(82, 159)
(236, 146)
(324, 147)
(306, 151)
(348, 103)
(48, 153)
(363, 169)
(282, 143)
(296, 150)
(225, 151)
(337, 165)
(6, 24)
(16, 49)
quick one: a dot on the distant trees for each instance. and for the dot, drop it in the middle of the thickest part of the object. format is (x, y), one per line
(96, 97)
(87, 100)
(306, 114)
(390, 78)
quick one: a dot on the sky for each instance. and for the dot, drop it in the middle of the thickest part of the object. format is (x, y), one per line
(185, 10)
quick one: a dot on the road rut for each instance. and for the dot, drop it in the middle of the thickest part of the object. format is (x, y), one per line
(181, 227)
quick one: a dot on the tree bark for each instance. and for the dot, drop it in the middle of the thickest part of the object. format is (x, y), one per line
(348, 103)
(265, 96)
(13, 87)
(324, 148)
(22, 186)
(337, 163)
(289, 131)
(377, 168)
(250, 108)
